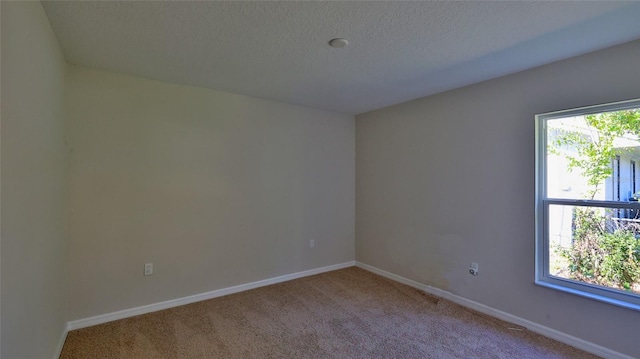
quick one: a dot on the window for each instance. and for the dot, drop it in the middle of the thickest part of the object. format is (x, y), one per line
(587, 212)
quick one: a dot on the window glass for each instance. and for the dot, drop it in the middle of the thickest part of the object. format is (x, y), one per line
(586, 156)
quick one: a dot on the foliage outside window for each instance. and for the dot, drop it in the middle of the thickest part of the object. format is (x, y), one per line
(587, 209)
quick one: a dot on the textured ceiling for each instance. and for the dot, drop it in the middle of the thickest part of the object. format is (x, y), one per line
(278, 50)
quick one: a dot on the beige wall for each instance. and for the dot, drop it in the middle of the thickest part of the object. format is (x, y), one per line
(449, 179)
(33, 237)
(215, 189)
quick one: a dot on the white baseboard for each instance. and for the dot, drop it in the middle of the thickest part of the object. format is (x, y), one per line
(532, 326)
(63, 337)
(104, 318)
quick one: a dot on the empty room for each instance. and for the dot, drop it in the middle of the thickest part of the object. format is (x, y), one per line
(320, 179)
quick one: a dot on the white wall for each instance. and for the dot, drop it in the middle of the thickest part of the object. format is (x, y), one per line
(215, 189)
(449, 179)
(34, 244)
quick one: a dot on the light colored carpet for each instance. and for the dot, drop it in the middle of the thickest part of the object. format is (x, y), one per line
(349, 313)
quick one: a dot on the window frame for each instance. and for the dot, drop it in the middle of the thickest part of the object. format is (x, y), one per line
(542, 204)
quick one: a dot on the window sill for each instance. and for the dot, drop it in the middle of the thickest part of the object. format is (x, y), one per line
(588, 294)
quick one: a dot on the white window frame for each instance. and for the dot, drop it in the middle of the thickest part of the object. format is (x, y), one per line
(542, 203)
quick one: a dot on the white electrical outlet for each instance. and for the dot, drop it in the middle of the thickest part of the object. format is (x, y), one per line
(312, 243)
(148, 268)
(473, 269)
